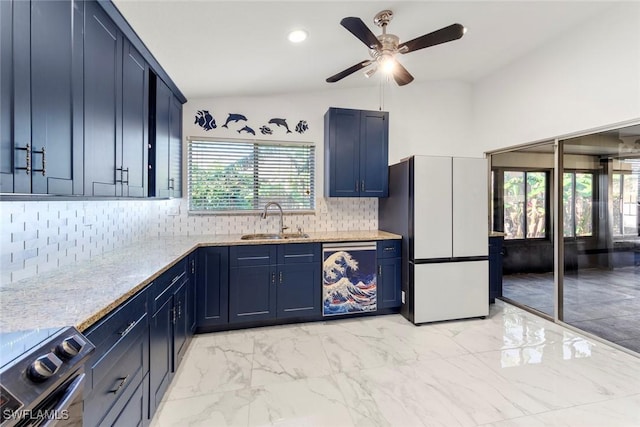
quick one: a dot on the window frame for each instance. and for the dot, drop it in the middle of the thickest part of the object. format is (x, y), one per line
(594, 202)
(617, 233)
(256, 143)
(498, 202)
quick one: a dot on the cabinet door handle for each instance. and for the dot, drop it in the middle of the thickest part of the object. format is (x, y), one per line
(27, 167)
(124, 170)
(171, 184)
(380, 270)
(128, 329)
(122, 380)
(179, 309)
(357, 185)
(44, 161)
(273, 278)
(362, 186)
(281, 277)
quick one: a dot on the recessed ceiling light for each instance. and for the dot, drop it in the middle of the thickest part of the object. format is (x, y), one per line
(297, 36)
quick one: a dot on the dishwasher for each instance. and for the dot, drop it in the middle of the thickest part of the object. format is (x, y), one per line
(349, 279)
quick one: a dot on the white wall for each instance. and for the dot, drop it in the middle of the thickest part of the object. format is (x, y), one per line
(588, 78)
(424, 118)
(430, 118)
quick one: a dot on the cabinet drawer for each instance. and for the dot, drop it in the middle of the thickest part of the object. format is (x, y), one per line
(389, 249)
(105, 333)
(130, 409)
(163, 285)
(298, 253)
(252, 255)
(100, 364)
(116, 373)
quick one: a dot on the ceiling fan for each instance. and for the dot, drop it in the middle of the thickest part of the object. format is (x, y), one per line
(384, 47)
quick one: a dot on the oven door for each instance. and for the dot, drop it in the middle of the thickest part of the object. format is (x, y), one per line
(63, 407)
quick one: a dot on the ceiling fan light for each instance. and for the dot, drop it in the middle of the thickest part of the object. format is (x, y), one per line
(297, 36)
(388, 64)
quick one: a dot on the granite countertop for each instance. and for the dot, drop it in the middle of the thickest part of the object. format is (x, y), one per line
(81, 294)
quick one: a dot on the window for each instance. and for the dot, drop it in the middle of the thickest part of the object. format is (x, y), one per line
(578, 204)
(525, 200)
(231, 176)
(625, 204)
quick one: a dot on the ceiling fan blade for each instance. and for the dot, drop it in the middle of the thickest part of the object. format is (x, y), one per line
(342, 74)
(361, 31)
(401, 75)
(443, 35)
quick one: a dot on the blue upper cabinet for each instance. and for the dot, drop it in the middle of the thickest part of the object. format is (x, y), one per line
(102, 100)
(116, 86)
(356, 153)
(165, 151)
(41, 97)
(75, 106)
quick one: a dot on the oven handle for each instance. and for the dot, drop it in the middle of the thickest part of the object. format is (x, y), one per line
(74, 390)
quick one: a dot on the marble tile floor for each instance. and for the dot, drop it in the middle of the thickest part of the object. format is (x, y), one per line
(510, 369)
(605, 303)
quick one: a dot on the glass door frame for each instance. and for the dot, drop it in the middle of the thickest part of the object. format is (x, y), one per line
(558, 220)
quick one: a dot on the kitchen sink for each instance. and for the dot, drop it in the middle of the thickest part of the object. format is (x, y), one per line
(274, 236)
(261, 236)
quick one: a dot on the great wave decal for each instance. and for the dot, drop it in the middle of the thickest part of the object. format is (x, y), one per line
(349, 282)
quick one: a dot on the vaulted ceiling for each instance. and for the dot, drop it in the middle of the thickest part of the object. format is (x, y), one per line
(240, 48)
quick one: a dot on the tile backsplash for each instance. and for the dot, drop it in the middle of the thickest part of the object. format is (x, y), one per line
(41, 236)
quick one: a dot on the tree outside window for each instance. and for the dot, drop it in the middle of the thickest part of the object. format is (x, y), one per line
(578, 204)
(524, 199)
(625, 204)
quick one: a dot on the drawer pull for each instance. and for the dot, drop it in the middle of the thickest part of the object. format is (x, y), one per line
(389, 248)
(122, 383)
(128, 329)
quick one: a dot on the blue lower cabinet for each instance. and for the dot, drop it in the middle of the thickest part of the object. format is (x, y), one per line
(252, 283)
(389, 274)
(274, 281)
(120, 363)
(212, 286)
(160, 353)
(299, 281)
(168, 329)
(496, 253)
(389, 286)
(180, 326)
(252, 293)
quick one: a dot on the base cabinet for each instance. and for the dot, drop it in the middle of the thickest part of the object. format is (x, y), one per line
(168, 330)
(140, 344)
(274, 281)
(496, 253)
(120, 364)
(299, 281)
(389, 274)
(252, 283)
(212, 286)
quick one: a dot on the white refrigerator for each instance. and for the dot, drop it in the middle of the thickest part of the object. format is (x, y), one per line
(439, 206)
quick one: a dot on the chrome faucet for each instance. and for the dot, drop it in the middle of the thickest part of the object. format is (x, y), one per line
(264, 214)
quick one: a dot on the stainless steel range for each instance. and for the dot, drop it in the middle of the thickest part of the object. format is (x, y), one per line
(42, 377)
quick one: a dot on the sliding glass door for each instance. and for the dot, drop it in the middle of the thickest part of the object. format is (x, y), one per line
(601, 286)
(570, 214)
